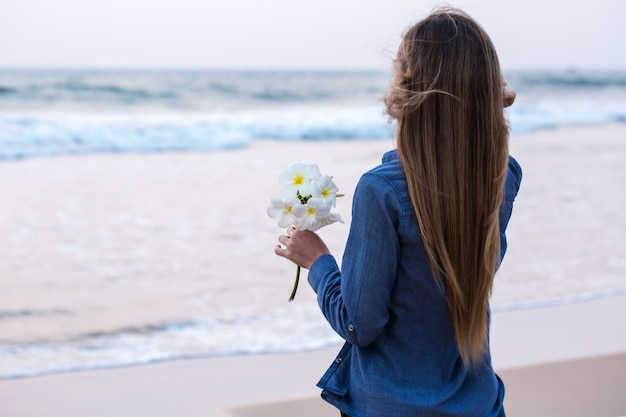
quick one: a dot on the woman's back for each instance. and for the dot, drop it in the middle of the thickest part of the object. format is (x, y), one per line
(401, 356)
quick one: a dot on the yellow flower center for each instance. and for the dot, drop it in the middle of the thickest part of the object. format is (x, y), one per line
(298, 179)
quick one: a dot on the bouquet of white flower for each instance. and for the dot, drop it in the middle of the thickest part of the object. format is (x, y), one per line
(309, 197)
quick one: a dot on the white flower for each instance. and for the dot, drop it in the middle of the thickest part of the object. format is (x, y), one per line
(309, 198)
(322, 221)
(315, 208)
(287, 212)
(297, 177)
(325, 189)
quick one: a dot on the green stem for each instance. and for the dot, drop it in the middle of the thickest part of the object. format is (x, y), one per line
(295, 285)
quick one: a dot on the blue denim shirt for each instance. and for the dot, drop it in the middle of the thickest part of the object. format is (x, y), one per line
(400, 357)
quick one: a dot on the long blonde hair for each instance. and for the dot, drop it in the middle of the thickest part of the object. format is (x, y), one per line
(452, 140)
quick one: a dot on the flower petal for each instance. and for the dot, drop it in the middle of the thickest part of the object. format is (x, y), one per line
(299, 210)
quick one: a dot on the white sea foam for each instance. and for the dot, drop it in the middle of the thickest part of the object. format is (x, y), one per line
(72, 112)
(297, 328)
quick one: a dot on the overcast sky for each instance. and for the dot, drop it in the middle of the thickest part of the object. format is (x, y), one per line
(553, 34)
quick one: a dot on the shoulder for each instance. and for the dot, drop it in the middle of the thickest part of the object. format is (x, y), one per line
(390, 170)
(386, 178)
(385, 186)
(515, 169)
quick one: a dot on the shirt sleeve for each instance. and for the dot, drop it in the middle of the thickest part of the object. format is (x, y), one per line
(511, 188)
(356, 299)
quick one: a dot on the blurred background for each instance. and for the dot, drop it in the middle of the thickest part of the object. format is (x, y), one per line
(106, 262)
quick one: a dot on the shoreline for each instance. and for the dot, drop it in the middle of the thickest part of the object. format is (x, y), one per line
(570, 305)
(543, 378)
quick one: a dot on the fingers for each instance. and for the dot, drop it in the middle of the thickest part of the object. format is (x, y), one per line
(281, 248)
(300, 247)
(283, 239)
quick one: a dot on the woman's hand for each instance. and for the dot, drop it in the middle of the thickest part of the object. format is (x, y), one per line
(300, 247)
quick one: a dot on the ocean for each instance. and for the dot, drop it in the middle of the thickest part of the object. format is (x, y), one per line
(48, 113)
(45, 114)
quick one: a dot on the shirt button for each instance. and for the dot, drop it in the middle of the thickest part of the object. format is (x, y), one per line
(350, 328)
(338, 360)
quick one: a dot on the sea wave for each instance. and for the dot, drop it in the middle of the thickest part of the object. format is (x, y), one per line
(184, 90)
(568, 80)
(47, 113)
(271, 332)
(24, 136)
(202, 337)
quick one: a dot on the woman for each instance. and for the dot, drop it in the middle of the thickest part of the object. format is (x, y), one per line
(426, 238)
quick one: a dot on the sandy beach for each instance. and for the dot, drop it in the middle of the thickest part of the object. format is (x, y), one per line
(98, 243)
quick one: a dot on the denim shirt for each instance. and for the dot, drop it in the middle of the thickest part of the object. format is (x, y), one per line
(400, 357)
